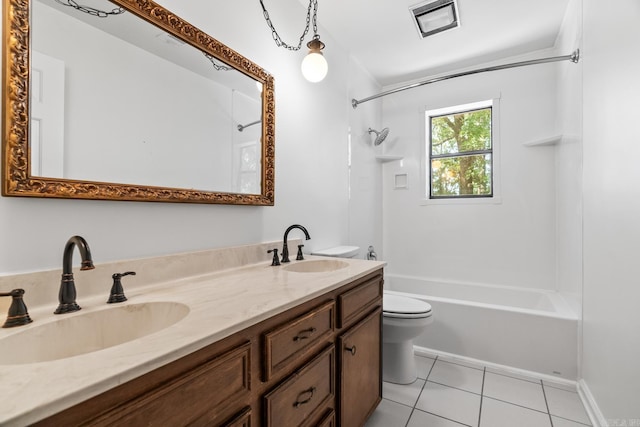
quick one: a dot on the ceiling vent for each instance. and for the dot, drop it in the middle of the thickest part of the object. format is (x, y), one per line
(435, 16)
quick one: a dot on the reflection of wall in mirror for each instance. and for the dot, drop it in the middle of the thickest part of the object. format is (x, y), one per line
(128, 111)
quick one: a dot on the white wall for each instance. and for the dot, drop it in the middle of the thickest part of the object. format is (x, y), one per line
(311, 167)
(511, 243)
(569, 166)
(611, 190)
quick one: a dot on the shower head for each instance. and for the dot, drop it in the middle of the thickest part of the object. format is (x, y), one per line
(380, 136)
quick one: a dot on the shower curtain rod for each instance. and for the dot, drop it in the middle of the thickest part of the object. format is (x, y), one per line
(574, 57)
(241, 127)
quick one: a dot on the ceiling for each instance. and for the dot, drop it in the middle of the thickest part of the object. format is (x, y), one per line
(382, 36)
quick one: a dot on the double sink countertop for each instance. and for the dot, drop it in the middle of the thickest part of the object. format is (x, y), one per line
(220, 303)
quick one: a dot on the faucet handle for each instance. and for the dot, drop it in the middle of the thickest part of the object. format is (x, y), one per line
(117, 292)
(17, 315)
(300, 257)
(275, 260)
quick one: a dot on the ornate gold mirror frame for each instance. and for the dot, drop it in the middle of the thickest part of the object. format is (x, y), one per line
(16, 176)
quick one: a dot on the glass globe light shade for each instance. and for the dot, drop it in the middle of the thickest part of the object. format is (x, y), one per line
(314, 67)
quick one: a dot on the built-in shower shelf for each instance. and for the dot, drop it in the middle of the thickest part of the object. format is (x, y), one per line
(552, 140)
(387, 158)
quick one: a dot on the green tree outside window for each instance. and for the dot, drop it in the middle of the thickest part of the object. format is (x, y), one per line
(461, 154)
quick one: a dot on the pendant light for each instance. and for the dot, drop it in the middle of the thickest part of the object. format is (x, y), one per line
(314, 66)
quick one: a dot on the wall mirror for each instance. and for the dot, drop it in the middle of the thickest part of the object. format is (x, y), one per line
(124, 100)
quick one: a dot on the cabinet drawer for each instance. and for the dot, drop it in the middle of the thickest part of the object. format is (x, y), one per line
(243, 419)
(327, 420)
(194, 398)
(310, 388)
(285, 345)
(351, 304)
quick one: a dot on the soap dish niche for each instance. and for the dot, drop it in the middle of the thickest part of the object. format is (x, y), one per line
(401, 181)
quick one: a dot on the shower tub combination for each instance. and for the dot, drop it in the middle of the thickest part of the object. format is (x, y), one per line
(527, 329)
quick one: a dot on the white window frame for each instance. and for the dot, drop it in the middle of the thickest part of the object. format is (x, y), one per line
(496, 196)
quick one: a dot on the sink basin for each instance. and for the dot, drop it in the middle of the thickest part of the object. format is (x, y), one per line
(88, 332)
(316, 266)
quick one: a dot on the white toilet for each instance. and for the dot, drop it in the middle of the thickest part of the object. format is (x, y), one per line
(403, 319)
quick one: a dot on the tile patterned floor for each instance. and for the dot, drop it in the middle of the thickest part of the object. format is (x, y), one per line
(449, 394)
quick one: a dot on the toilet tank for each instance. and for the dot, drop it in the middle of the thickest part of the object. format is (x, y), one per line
(338, 252)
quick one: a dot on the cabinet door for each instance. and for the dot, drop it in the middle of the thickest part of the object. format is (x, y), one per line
(360, 370)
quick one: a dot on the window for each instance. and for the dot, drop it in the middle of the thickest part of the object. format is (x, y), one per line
(460, 152)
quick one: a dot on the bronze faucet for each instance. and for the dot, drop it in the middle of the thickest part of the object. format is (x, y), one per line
(67, 294)
(18, 314)
(285, 247)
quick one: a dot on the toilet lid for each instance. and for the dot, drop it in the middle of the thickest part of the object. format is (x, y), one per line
(399, 306)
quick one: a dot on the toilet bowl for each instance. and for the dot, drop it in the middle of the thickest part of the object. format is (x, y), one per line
(403, 319)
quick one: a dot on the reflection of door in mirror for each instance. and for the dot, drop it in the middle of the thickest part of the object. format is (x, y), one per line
(246, 155)
(246, 167)
(47, 115)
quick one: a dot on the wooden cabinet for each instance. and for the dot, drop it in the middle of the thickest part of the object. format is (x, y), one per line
(290, 341)
(360, 376)
(353, 303)
(308, 390)
(243, 419)
(329, 420)
(221, 383)
(317, 364)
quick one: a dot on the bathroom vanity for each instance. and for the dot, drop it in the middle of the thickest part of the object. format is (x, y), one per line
(260, 346)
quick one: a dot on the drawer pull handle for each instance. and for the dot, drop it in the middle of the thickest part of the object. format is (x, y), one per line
(299, 402)
(304, 335)
(351, 350)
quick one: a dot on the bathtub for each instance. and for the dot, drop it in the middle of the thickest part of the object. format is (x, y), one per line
(527, 329)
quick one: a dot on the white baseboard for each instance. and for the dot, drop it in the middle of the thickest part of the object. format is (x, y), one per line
(589, 402)
(428, 352)
(590, 405)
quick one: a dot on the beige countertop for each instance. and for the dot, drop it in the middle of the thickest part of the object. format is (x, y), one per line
(220, 303)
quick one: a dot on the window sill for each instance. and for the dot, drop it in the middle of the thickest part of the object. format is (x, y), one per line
(464, 201)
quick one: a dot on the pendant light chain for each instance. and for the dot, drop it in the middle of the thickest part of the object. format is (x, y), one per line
(276, 37)
(90, 10)
(217, 67)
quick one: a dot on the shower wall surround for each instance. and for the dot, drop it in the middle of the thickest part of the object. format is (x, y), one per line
(510, 242)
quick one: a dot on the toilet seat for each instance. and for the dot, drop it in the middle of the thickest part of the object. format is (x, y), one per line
(404, 307)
